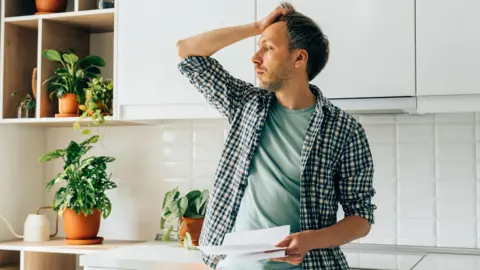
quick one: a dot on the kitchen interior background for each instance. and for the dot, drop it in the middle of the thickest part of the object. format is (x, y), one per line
(427, 174)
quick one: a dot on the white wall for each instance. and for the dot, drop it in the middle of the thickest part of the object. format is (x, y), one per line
(427, 174)
(20, 175)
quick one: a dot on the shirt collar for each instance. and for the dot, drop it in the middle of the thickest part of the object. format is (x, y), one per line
(322, 102)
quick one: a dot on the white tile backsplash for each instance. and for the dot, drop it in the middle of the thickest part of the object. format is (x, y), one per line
(427, 174)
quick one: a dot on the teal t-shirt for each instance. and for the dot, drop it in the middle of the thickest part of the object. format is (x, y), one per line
(272, 196)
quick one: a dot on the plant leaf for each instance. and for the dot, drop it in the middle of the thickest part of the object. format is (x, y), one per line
(52, 55)
(91, 60)
(179, 207)
(166, 236)
(93, 69)
(70, 58)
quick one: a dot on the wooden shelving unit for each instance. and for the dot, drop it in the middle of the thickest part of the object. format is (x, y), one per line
(50, 255)
(24, 35)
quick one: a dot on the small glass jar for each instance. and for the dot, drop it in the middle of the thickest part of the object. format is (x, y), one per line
(25, 112)
(106, 4)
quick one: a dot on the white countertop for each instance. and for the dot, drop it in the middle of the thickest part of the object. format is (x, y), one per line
(170, 255)
(449, 262)
(149, 256)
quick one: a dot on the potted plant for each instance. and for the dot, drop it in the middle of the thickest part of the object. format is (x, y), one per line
(26, 108)
(71, 78)
(98, 103)
(98, 100)
(50, 6)
(82, 201)
(189, 210)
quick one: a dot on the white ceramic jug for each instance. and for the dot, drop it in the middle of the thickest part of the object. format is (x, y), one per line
(36, 227)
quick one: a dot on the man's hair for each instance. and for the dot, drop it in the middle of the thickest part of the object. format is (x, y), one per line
(304, 33)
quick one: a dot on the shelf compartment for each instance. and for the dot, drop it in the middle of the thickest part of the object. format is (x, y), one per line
(88, 5)
(49, 261)
(9, 259)
(87, 33)
(20, 8)
(20, 58)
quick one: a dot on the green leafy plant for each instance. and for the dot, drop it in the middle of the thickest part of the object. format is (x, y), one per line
(86, 179)
(175, 206)
(26, 101)
(73, 75)
(99, 95)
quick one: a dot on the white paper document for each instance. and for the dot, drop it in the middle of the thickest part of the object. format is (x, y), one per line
(250, 245)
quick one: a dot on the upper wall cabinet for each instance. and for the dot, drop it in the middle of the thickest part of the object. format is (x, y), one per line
(448, 43)
(149, 81)
(372, 45)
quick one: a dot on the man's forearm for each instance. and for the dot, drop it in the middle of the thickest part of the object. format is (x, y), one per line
(208, 43)
(343, 232)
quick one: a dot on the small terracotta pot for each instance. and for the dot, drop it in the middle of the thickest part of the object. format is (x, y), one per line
(68, 105)
(193, 226)
(79, 226)
(50, 6)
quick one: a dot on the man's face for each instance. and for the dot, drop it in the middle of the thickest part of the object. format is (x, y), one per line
(273, 61)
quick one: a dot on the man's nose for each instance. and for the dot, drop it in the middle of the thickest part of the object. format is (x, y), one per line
(256, 59)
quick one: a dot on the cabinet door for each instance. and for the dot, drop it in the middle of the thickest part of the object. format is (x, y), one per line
(371, 42)
(448, 43)
(147, 57)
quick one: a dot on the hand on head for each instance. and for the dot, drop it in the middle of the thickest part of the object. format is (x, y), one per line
(270, 18)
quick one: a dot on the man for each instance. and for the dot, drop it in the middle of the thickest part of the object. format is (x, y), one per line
(291, 156)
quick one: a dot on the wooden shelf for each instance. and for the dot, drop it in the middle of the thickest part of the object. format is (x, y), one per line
(50, 255)
(83, 27)
(58, 245)
(27, 8)
(93, 21)
(67, 122)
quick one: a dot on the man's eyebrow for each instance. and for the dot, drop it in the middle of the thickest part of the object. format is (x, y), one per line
(262, 41)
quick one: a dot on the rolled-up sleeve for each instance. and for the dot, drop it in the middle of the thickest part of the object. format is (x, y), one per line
(222, 90)
(355, 181)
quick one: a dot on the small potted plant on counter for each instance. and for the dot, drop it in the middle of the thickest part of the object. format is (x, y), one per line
(82, 201)
(71, 78)
(189, 210)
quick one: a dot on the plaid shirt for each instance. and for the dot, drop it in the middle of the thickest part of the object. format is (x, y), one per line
(336, 163)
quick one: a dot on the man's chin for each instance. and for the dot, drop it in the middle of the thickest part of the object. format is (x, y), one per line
(263, 85)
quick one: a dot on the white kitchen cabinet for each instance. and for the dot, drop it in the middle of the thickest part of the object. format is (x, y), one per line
(149, 83)
(448, 42)
(372, 45)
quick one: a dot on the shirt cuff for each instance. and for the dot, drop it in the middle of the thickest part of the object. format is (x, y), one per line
(195, 64)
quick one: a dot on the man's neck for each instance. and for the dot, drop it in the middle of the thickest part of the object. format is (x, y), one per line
(296, 98)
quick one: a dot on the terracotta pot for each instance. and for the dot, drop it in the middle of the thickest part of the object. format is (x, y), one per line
(101, 107)
(79, 226)
(193, 226)
(50, 6)
(68, 105)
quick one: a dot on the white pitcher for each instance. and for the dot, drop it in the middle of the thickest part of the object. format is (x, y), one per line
(36, 227)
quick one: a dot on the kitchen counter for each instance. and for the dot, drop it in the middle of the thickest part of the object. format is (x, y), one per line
(149, 256)
(449, 262)
(170, 255)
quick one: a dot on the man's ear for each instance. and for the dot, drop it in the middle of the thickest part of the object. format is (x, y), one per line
(301, 58)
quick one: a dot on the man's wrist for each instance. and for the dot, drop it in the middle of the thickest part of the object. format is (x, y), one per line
(316, 238)
(256, 28)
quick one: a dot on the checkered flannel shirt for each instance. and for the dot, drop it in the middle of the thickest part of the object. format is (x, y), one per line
(336, 162)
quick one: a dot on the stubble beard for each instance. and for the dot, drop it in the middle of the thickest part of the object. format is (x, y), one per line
(275, 81)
